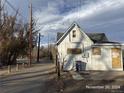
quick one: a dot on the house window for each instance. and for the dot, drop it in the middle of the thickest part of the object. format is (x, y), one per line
(116, 57)
(74, 51)
(96, 51)
(74, 33)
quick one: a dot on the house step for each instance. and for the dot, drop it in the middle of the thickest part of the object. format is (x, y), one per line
(76, 75)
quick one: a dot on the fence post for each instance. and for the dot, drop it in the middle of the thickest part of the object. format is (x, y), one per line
(23, 65)
(58, 67)
(9, 68)
(17, 67)
(56, 62)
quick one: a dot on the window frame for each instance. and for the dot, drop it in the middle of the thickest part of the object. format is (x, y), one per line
(74, 51)
(96, 51)
(74, 33)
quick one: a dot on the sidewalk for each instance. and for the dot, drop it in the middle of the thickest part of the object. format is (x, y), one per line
(22, 69)
(14, 70)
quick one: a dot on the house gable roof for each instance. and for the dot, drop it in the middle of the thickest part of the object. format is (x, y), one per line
(95, 37)
(61, 36)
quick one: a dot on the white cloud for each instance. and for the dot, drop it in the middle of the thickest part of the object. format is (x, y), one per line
(93, 9)
(50, 19)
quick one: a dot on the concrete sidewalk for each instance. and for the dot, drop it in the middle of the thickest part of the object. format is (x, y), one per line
(22, 69)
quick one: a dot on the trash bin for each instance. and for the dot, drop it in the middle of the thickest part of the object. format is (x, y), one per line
(77, 66)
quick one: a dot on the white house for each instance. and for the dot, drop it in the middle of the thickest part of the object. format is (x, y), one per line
(91, 51)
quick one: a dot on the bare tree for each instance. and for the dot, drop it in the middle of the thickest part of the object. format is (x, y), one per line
(14, 39)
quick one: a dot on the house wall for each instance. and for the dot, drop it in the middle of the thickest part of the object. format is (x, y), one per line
(104, 61)
(81, 41)
(93, 62)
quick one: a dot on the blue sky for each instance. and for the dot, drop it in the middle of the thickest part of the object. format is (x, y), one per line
(92, 15)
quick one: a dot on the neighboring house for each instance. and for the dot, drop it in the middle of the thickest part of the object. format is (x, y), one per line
(91, 51)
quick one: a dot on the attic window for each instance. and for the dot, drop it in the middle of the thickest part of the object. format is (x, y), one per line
(96, 51)
(74, 33)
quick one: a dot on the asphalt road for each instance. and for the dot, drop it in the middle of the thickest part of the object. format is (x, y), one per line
(30, 80)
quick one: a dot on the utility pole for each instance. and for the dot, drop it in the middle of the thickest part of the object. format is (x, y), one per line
(0, 12)
(30, 36)
(49, 46)
(38, 51)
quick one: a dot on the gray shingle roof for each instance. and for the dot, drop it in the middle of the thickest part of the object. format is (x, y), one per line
(95, 37)
(59, 35)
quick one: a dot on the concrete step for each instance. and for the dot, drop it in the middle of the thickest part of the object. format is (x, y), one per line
(76, 75)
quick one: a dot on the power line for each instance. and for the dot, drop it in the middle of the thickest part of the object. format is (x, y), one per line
(14, 8)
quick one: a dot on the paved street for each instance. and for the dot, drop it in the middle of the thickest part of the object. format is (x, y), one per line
(30, 80)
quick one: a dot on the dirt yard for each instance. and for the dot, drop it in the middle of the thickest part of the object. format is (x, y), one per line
(92, 85)
(88, 85)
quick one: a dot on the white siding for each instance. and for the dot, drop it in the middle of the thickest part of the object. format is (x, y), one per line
(80, 41)
(104, 61)
(93, 62)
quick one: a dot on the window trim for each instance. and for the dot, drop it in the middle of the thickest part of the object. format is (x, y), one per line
(74, 33)
(74, 51)
(96, 51)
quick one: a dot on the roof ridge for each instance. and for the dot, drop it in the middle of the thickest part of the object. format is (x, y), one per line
(95, 33)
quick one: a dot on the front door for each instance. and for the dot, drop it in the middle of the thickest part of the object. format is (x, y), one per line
(116, 58)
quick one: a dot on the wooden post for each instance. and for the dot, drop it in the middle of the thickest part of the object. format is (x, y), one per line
(9, 68)
(0, 12)
(58, 67)
(30, 36)
(17, 67)
(56, 62)
(38, 51)
(23, 65)
(58, 70)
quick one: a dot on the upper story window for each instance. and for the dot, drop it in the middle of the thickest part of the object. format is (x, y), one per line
(96, 51)
(74, 33)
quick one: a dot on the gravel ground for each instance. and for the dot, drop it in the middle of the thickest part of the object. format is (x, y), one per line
(92, 86)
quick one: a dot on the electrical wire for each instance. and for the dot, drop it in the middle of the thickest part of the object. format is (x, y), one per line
(14, 8)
